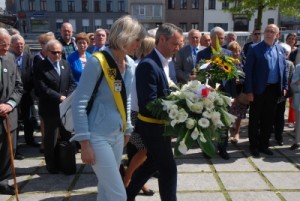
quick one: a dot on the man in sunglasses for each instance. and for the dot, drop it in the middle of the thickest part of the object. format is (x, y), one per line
(54, 82)
(256, 37)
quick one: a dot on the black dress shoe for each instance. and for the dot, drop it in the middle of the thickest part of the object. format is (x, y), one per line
(19, 156)
(224, 155)
(254, 152)
(280, 143)
(294, 147)
(148, 193)
(7, 190)
(266, 151)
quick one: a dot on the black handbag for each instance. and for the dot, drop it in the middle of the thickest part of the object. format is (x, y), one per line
(65, 154)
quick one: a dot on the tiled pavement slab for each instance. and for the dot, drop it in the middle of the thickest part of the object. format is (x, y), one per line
(242, 178)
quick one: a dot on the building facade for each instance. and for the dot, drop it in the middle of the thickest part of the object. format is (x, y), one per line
(186, 14)
(38, 16)
(215, 15)
(149, 12)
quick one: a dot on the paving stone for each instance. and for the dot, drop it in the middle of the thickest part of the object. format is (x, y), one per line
(42, 197)
(274, 164)
(48, 183)
(194, 182)
(233, 165)
(192, 165)
(291, 196)
(85, 196)
(86, 182)
(250, 196)
(284, 180)
(242, 181)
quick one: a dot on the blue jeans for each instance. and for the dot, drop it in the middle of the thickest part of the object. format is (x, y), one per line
(108, 151)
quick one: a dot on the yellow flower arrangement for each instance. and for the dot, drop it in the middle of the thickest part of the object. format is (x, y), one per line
(219, 67)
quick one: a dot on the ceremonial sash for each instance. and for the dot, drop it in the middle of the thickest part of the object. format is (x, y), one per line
(113, 75)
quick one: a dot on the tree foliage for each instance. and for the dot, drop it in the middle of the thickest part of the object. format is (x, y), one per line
(249, 7)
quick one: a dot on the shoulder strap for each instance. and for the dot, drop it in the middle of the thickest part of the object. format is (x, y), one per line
(90, 103)
(112, 74)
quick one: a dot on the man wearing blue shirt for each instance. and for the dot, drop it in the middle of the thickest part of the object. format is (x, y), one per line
(266, 80)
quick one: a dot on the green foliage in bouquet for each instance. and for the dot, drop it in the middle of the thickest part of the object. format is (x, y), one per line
(195, 115)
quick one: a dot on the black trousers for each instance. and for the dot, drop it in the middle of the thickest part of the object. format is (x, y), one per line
(261, 117)
(159, 157)
(53, 130)
(279, 120)
(5, 164)
(26, 106)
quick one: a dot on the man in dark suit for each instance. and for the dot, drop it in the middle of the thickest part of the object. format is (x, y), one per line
(10, 95)
(24, 64)
(185, 58)
(255, 38)
(228, 86)
(151, 83)
(266, 80)
(54, 82)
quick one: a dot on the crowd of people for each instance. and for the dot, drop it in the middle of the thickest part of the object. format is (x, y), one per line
(137, 68)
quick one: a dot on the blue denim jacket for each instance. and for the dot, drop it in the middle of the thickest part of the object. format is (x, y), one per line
(104, 117)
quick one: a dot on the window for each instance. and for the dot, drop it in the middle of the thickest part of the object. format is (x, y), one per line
(58, 5)
(195, 4)
(21, 4)
(183, 26)
(109, 22)
(71, 6)
(121, 6)
(195, 26)
(142, 10)
(59, 22)
(31, 5)
(222, 25)
(43, 5)
(171, 4)
(85, 7)
(225, 4)
(183, 4)
(109, 6)
(96, 6)
(85, 25)
(212, 4)
(271, 21)
(98, 24)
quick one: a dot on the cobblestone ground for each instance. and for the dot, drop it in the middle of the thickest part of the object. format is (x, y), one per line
(242, 178)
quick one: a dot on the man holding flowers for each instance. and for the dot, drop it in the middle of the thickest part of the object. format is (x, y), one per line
(152, 83)
(228, 86)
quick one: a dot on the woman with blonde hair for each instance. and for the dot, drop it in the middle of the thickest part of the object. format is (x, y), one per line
(101, 131)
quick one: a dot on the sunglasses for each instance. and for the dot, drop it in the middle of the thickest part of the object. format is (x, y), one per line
(257, 34)
(55, 52)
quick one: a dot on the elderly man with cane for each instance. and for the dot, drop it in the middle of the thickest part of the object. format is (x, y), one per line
(11, 89)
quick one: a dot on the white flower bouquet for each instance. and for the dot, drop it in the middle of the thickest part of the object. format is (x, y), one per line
(195, 114)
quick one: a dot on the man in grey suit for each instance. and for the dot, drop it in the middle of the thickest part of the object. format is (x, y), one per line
(11, 89)
(185, 59)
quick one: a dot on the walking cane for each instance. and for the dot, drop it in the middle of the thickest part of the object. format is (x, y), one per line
(11, 156)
